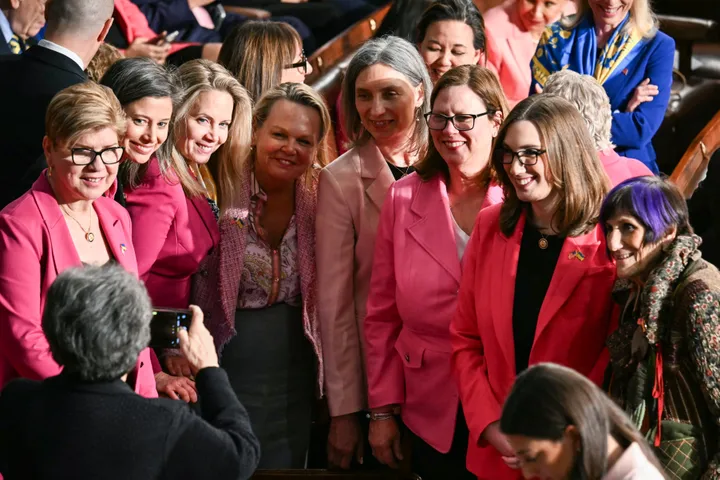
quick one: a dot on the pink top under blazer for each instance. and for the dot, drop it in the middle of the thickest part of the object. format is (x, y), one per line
(413, 297)
(619, 168)
(509, 49)
(35, 247)
(576, 318)
(172, 235)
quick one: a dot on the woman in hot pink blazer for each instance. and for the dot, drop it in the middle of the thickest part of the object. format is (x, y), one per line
(512, 32)
(537, 279)
(44, 232)
(424, 226)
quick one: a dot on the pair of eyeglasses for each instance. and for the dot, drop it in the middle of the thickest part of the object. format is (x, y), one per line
(86, 156)
(527, 156)
(301, 65)
(462, 122)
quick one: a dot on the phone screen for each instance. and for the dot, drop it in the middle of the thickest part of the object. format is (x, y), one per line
(165, 325)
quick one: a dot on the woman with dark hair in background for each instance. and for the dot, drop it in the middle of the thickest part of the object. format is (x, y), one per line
(665, 353)
(562, 426)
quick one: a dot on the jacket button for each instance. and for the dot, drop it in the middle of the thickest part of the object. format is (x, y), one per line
(407, 357)
(203, 273)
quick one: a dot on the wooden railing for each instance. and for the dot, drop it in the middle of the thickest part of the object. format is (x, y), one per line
(693, 165)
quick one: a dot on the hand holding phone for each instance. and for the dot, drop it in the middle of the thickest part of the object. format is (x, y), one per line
(164, 38)
(197, 344)
(165, 324)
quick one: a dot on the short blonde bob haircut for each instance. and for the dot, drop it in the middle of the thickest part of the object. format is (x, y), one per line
(572, 166)
(258, 52)
(642, 17)
(80, 109)
(486, 86)
(196, 77)
(591, 100)
(304, 95)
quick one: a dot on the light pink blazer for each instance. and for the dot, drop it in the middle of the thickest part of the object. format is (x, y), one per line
(35, 247)
(619, 169)
(413, 297)
(172, 235)
(633, 465)
(351, 192)
(509, 50)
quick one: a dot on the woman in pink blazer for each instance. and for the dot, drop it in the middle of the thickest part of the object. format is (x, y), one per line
(513, 30)
(537, 280)
(351, 192)
(64, 221)
(424, 227)
(173, 206)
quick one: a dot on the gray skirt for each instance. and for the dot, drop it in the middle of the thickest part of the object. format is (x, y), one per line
(271, 367)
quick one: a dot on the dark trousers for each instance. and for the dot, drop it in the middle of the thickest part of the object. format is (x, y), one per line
(430, 464)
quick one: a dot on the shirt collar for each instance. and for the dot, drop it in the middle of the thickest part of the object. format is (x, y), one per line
(5, 28)
(63, 51)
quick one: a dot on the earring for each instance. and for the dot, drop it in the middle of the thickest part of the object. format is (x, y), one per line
(49, 172)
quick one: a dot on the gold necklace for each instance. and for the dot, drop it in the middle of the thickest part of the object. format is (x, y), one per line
(89, 236)
(543, 242)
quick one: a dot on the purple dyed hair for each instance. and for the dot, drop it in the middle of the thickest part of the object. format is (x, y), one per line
(654, 202)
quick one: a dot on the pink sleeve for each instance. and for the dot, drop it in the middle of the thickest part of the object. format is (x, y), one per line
(385, 371)
(22, 340)
(152, 207)
(480, 406)
(137, 25)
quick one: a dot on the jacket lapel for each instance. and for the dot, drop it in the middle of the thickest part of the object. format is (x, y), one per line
(64, 254)
(434, 230)
(375, 173)
(115, 237)
(205, 212)
(577, 259)
(504, 272)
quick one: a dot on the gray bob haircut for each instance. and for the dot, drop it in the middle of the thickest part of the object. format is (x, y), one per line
(401, 56)
(591, 100)
(78, 17)
(97, 321)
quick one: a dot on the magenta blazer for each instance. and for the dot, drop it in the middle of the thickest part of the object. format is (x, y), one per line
(172, 235)
(413, 296)
(619, 169)
(35, 247)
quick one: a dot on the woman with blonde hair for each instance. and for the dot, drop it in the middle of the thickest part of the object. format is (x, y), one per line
(618, 43)
(262, 55)
(65, 220)
(537, 279)
(424, 227)
(259, 289)
(174, 207)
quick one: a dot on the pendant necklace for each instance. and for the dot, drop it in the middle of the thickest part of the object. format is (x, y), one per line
(89, 236)
(543, 242)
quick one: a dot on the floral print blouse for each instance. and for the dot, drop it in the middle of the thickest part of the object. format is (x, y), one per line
(269, 275)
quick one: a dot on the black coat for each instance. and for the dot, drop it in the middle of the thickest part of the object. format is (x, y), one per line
(65, 429)
(27, 84)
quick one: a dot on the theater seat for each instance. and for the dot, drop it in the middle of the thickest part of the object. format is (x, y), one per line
(330, 475)
(696, 90)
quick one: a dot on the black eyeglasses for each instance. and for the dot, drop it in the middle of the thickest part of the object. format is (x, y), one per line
(301, 65)
(86, 156)
(462, 121)
(527, 156)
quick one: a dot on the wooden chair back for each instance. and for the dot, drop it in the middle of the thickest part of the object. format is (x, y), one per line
(331, 475)
(693, 165)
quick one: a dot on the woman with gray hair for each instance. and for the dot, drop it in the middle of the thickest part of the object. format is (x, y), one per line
(97, 321)
(589, 97)
(385, 92)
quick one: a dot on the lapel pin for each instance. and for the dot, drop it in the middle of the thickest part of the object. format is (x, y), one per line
(577, 255)
(123, 248)
(239, 222)
(625, 71)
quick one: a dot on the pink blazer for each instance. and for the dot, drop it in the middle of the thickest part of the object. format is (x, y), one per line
(619, 168)
(574, 322)
(172, 235)
(413, 296)
(134, 24)
(35, 247)
(509, 49)
(217, 283)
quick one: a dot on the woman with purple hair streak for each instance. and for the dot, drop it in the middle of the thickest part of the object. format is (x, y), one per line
(665, 355)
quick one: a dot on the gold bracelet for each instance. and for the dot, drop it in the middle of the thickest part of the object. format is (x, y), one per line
(380, 415)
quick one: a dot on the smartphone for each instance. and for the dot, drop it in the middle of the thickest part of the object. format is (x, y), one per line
(168, 38)
(165, 324)
(217, 13)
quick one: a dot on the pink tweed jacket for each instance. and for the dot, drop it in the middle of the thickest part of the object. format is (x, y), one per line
(217, 282)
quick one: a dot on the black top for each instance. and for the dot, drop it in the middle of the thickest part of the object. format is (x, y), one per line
(400, 172)
(534, 272)
(27, 84)
(65, 428)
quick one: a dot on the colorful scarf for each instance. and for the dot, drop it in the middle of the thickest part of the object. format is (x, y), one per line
(576, 49)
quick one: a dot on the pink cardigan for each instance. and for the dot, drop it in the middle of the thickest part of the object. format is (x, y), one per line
(413, 296)
(35, 247)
